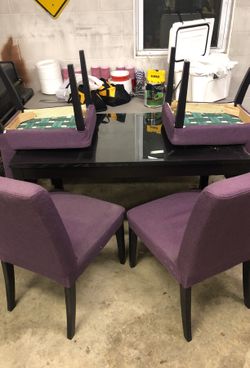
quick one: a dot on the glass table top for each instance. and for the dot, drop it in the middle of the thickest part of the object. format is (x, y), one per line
(130, 139)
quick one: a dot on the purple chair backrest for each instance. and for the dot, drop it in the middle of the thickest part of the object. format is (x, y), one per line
(32, 233)
(217, 236)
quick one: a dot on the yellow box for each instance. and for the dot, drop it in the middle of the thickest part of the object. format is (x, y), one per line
(154, 129)
(53, 7)
(155, 76)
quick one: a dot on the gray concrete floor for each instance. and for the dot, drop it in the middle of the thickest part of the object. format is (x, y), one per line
(125, 317)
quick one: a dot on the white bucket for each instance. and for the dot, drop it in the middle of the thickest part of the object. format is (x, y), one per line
(50, 76)
(121, 77)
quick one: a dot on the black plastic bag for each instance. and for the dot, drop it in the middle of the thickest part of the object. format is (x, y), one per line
(113, 95)
(100, 105)
(96, 99)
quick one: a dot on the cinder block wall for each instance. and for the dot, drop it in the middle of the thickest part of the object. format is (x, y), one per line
(103, 28)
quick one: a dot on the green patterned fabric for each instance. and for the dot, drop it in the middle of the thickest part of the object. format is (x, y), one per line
(48, 123)
(195, 118)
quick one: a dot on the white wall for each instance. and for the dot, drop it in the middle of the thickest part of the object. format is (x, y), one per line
(239, 48)
(103, 28)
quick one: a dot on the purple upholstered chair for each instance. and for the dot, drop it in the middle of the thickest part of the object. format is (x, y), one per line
(196, 235)
(54, 234)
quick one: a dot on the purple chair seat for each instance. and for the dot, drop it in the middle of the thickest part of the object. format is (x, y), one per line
(223, 134)
(53, 138)
(207, 134)
(197, 235)
(54, 234)
(13, 140)
(78, 137)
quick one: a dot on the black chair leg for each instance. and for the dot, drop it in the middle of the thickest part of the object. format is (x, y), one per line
(57, 183)
(203, 182)
(70, 301)
(246, 283)
(185, 296)
(121, 244)
(9, 278)
(132, 248)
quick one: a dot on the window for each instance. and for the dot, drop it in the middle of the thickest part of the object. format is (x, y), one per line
(154, 19)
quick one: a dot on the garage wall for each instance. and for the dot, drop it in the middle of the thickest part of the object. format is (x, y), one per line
(103, 28)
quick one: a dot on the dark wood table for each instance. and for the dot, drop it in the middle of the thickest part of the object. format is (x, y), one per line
(133, 147)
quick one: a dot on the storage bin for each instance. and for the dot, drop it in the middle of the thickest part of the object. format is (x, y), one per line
(210, 74)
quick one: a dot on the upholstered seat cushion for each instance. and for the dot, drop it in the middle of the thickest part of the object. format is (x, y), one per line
(221, 134)
(52, 138)
(29, 139)
(89, 222)
(160, 224)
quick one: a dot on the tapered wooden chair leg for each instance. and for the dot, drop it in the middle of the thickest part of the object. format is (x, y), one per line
(203, 182)
(70, 301)
(246, 283)
(9, 278)
(185, 297)
(57, 183)
(121, 244)
(132, 248)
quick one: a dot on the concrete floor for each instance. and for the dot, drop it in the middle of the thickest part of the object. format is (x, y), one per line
(125, 317)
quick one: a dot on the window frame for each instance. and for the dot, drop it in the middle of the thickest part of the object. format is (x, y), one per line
(224, 30)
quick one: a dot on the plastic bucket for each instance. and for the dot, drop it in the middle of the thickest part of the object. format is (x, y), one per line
(121, 77)
(50, 76)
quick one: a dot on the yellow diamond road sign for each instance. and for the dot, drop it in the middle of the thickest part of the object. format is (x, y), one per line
(54, 7)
